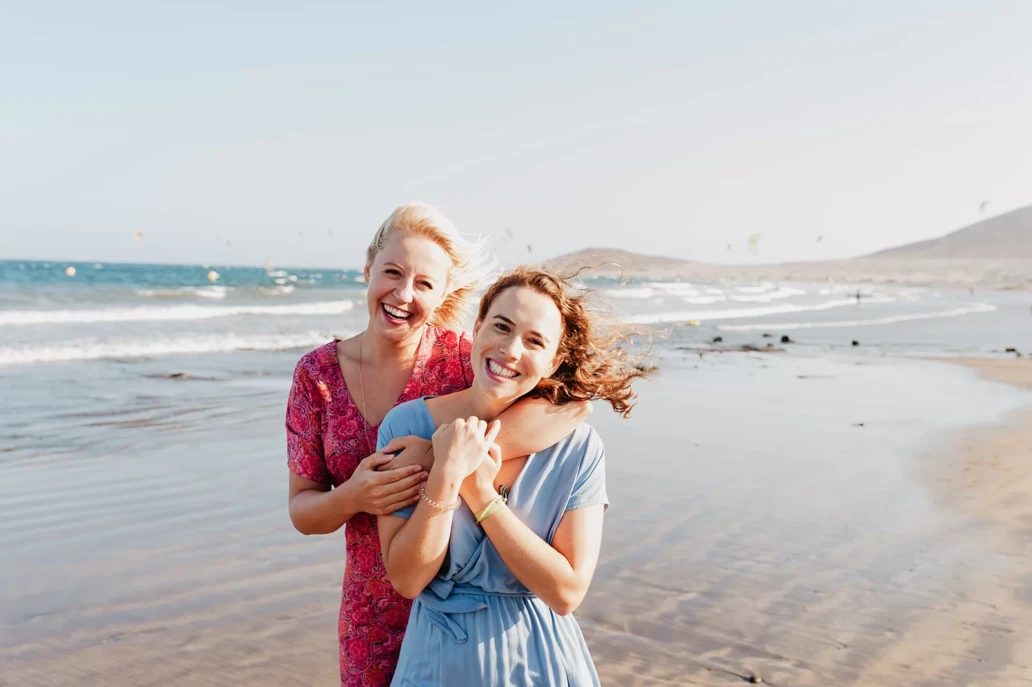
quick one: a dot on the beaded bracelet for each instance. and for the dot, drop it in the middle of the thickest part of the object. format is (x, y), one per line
(445, 508)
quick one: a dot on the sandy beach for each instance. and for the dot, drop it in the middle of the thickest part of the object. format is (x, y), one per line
(807, 519)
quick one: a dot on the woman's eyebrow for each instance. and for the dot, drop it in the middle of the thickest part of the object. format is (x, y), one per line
(509, 322)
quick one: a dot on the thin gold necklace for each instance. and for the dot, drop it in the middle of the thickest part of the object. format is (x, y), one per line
(361, 383)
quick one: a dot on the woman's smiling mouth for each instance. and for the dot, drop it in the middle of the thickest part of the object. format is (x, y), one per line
(498, 370)
(394, 314)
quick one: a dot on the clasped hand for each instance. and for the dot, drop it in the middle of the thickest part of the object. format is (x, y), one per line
(466, 448)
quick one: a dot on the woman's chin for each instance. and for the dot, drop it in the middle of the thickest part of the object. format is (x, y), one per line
(393, 331)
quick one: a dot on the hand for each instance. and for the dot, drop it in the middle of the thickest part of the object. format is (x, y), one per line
(381, 492)
(459, 447)
(413, 451)
(478, 488)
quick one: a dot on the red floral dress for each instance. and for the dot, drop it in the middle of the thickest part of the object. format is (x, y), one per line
(327, 436)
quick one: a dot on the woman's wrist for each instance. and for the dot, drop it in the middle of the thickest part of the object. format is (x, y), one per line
(479, 495)
(442, 487)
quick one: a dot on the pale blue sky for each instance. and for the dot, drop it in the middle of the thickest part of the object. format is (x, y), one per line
(672, 128)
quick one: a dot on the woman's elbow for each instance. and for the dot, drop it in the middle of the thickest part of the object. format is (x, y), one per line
(406, 588)
(404, 584)
(567, 602)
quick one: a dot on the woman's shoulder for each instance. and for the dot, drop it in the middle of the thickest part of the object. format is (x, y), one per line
(580, 447)
(318, 359)
(410, 417)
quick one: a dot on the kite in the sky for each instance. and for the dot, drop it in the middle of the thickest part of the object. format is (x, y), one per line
(983, 206)
(754, 244)
(139, 235)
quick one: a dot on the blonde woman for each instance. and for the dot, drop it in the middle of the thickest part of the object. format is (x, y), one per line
(421, 275)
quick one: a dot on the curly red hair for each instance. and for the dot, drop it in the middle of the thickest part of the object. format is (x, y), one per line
(593, 364)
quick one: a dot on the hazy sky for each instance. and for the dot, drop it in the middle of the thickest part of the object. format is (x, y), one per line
(668, 128)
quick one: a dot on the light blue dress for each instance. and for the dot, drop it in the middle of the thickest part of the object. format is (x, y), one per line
(475, 623)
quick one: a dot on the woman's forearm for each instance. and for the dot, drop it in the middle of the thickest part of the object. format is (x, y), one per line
(314, 511)
(533, 424)
(413, 553)
(542, 569)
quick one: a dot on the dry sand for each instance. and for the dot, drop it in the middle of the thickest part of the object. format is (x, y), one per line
(757, 528)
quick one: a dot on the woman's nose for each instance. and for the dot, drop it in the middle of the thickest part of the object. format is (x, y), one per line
(511, 349)
(404, 292)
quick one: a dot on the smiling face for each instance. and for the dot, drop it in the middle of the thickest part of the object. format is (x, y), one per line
(407, 280)
(514, 346)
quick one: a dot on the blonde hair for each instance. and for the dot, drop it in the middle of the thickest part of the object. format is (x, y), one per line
(471, 266)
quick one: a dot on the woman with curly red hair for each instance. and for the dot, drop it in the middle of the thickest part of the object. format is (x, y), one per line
(498, 555)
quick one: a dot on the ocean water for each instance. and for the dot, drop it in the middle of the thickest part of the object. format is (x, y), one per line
(133, 311)
(142, 446)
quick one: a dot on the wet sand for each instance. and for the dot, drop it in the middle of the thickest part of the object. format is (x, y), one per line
(805, 519)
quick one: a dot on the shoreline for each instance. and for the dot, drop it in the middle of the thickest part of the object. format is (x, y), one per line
(789, 521)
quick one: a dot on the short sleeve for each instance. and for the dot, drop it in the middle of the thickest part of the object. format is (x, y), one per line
(397, 423)
(304, 428)
(466, 357)
(590, 487)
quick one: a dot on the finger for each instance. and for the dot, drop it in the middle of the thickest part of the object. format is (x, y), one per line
(374, 460)
(482, 427)
(404, 484)
(391, 476)
(397, 444)
(409, 498)
(495, 453)
(492, 431)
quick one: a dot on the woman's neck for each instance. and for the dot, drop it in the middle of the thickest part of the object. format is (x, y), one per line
(468, 402)
(379, 352)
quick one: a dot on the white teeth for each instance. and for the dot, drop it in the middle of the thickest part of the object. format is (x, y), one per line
(499, 370)
(394, 312)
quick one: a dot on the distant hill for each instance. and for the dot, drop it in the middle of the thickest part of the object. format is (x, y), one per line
(1004, 237)
(610, 261)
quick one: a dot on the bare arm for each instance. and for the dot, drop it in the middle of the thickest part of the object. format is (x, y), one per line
(414, 549)
(316, 509)
(560, 573)
(533, 424)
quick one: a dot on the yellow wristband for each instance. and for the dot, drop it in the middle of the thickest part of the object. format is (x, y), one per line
(489, 510)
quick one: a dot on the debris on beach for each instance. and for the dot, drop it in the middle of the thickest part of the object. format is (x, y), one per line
(785, 338)
(181, 376)
(855, 342)
(743, 348)
(717, 339)
(767, 335)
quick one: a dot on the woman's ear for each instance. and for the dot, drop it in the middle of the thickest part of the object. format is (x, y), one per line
(365, 273)
(476, 328)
